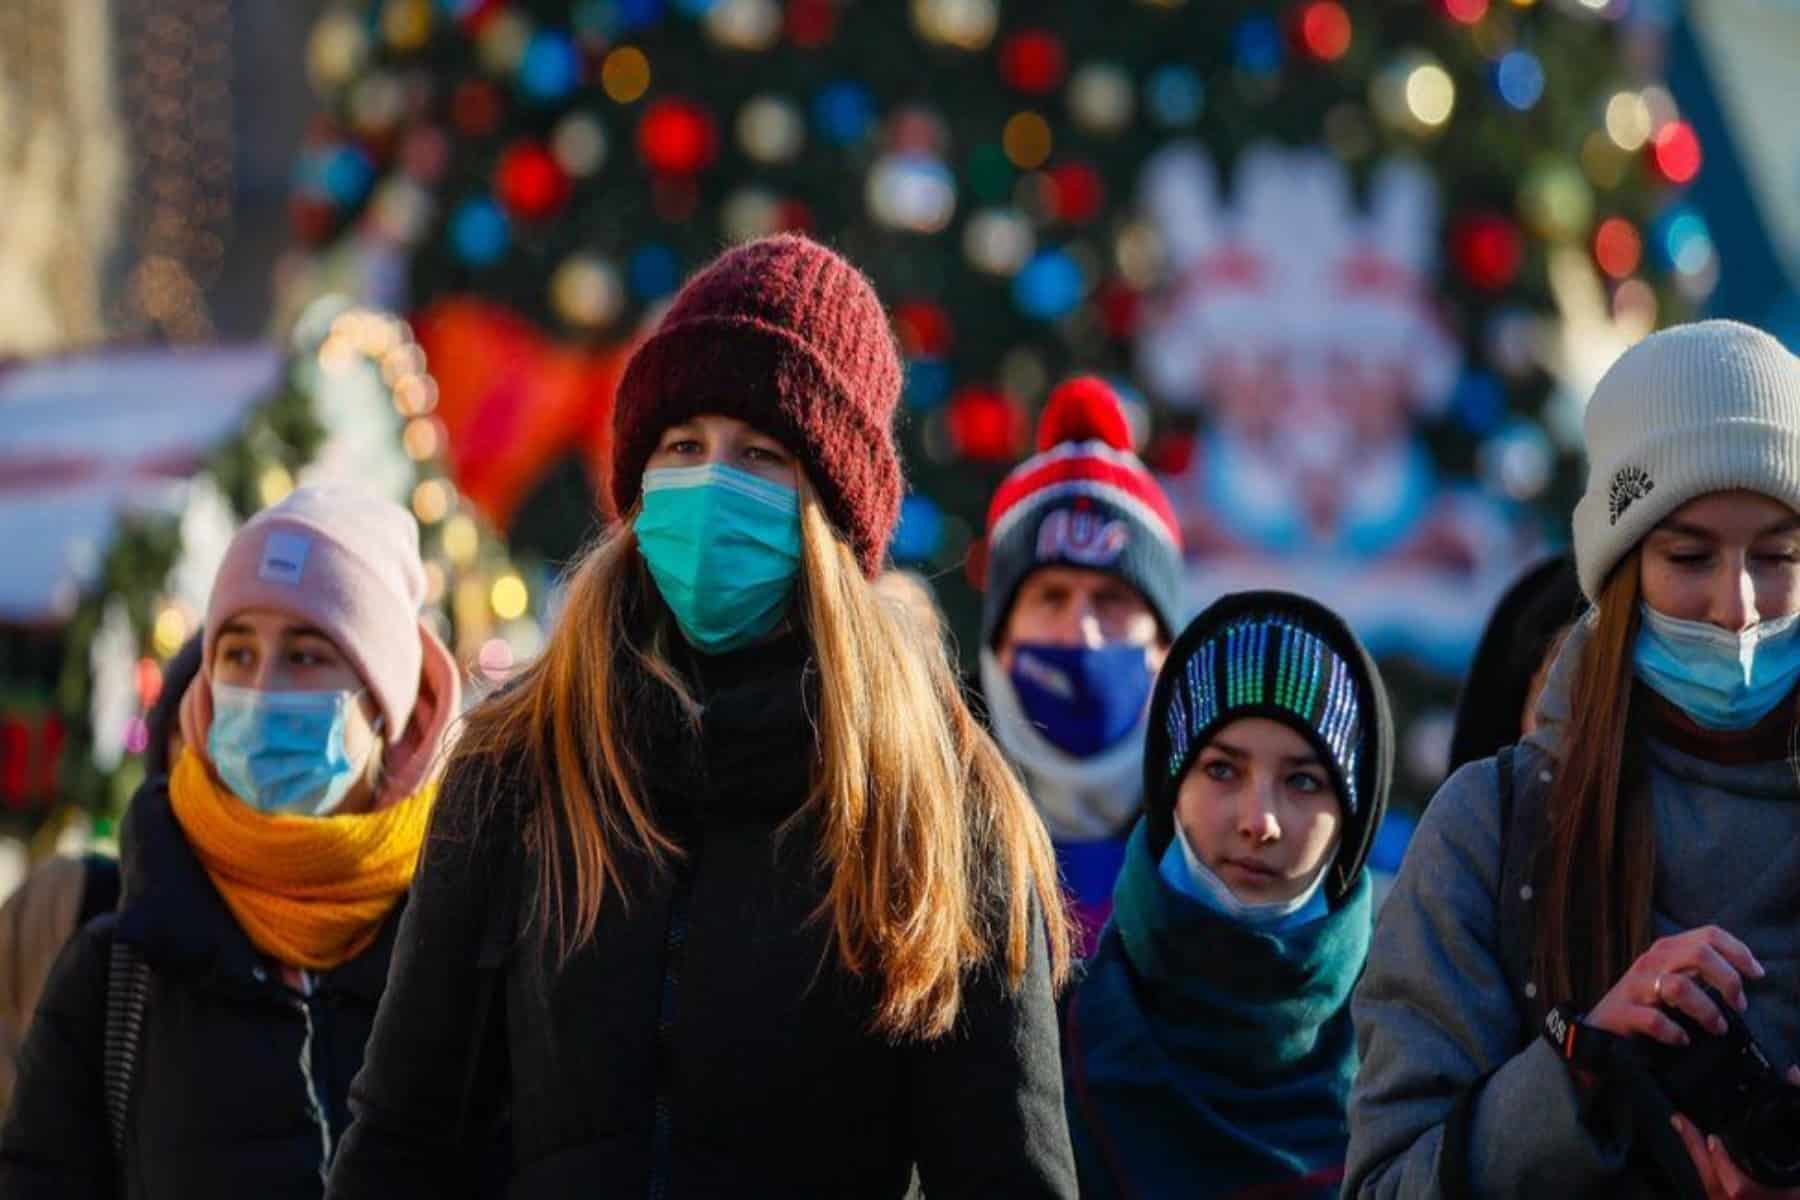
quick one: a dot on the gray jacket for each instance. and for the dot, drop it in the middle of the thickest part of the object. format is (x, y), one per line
(1434, 1012)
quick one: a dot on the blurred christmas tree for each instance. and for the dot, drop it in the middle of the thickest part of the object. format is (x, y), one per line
(1038, 188)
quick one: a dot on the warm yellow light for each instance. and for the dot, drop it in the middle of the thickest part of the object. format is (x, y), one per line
(431, 501)
(420, 439)
(1628, 121)
(1430, 94)
(1027, 141)
(625, 74)
(509, 597)
(274, 484)
(462, 541)
(168, 632)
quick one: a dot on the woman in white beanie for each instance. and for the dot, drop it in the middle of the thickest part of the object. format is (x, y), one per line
(1628, 875)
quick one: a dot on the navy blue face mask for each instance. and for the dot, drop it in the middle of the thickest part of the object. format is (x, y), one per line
(1084, 701)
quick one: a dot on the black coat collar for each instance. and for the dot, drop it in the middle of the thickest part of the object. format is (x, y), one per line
(171, 909)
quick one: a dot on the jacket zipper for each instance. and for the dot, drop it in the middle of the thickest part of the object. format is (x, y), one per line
(663, 1129)
(314, 1102)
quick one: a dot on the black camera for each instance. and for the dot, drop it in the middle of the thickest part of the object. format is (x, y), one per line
(1726, 1086)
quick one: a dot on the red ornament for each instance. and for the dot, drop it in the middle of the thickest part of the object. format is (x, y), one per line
(530, 182)
(1077, 193)
(313, 220)
(1119, 309)
(1033, 62)
(924, 329)
(793, 216)
(811, 23)
(677, 137)
(1617, 247)
(1322, 30)
(1675, 152)
(475, 108)
(1467, 12)
(985, 425)
(1487, 248)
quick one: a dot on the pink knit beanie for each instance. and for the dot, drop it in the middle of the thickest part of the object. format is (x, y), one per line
(346, 561)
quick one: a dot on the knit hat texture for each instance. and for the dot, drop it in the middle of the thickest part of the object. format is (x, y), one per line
(1713, 406)
(1084, 500)
(787, 336)
(1290, 659)
(347, 562)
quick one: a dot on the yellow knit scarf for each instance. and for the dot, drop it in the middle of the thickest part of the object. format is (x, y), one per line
(310, 892)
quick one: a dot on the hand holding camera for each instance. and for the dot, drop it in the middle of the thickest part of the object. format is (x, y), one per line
(1737, 1118)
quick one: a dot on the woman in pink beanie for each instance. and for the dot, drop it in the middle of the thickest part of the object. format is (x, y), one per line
(201, 1040)
(729, 894)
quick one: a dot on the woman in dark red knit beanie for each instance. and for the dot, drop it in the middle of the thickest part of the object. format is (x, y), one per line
(728, 893)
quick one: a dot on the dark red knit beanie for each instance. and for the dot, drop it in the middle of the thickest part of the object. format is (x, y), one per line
(789, 337)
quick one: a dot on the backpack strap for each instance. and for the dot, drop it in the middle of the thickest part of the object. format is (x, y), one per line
(127, 1002)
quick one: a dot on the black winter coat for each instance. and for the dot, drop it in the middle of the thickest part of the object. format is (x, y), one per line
(704, 1043)
(241, 1081)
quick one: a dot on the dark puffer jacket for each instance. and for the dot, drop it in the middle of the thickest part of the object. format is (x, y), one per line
(703, 1043)
(241, 1082)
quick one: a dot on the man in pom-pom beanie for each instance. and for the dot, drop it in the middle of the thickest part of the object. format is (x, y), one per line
(1083, 596)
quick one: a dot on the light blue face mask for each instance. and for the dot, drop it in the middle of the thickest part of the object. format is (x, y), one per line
(724, 549)
(282, 752)
(1722, 680)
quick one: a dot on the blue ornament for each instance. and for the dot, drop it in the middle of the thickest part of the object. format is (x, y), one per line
(1479, 402)
(480, 232)
(1683, 241)
(1048, 286)
(1519, 79)
(1175, 96)
(639, 14)
(551, 66)
(920, 532)
(843, 112)
(1256, 45)
(654, 272)
(928, 383)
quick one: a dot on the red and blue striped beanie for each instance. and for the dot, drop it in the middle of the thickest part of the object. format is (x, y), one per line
(1084, 500)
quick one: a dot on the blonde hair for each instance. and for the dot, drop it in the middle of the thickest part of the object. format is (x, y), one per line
(935, 860)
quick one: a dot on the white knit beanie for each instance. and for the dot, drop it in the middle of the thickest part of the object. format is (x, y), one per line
(1709, 407)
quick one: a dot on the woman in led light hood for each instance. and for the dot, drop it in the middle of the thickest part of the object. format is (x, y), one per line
(264, 877)
(1208, 1047)
(1641, 842)
(729, 894)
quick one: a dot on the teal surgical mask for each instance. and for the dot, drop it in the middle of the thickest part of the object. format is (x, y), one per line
(724, 549)
(282, 752)
(1723, 680)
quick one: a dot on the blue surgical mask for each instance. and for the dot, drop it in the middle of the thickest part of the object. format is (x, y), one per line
(1723, 680)
(1085, 701)
(724, 549)
(1187, 873)
(282, 752)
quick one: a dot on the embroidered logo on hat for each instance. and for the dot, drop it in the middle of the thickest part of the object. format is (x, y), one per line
(284, 557)
(1088, 538)
(1629, 485)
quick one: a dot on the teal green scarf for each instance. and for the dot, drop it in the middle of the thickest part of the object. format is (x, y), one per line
(1205, 1059)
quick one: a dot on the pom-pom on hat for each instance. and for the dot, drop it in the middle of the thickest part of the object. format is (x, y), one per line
(1286, 658)
(1084, 500)
(787, 336)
